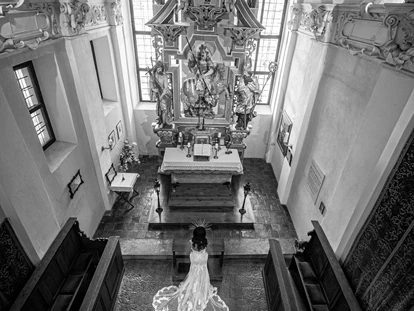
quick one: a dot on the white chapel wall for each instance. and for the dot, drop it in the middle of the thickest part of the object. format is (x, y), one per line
(345, 109)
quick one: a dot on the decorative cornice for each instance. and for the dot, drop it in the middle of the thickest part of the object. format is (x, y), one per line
(73, 17)
(380, 32)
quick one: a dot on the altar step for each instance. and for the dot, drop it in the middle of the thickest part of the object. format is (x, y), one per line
(201, 197)
(183, 204)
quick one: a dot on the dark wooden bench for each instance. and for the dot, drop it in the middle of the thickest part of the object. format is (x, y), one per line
(280, 292)
(76, 273)
(181, 264)
(314, 279)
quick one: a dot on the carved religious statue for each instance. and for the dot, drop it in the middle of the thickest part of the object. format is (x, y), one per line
(201, 93)
(161, 93)
(247, 95)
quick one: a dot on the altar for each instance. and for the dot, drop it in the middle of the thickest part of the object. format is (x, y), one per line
(185, 170)
(205, 85)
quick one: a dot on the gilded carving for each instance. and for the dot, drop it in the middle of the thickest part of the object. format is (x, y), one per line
(237, 137)
(317, 21)
(240, 35)
(389, 36)
(170, 33)
(96, 15)
(292, 24)
(50, 10)
(320, 18)
(206, 17)
(74, 16)
(250, 48)
(166, 137)
(7, 5)
(117, 12)
(13, 36)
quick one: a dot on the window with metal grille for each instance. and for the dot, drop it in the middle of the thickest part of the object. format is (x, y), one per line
(265, 49)
(142, 11)
(271, 15)
(26, 77)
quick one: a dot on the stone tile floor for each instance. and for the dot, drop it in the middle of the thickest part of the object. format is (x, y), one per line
(272, 218)
(242, 286)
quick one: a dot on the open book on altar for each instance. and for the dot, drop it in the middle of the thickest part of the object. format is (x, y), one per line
(202, 152)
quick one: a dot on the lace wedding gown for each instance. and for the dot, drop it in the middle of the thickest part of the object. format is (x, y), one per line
(195, 293)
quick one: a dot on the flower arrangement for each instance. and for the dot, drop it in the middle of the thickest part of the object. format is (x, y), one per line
(127, 157)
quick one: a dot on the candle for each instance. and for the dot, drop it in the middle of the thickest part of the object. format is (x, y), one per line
(189, 145)
(216, 146)
(219, 135)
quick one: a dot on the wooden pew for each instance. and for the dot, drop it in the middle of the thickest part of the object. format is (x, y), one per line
(319, 283)
(76, 273)
(280, 293)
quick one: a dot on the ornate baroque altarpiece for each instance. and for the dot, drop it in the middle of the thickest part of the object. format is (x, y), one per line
(203, 67)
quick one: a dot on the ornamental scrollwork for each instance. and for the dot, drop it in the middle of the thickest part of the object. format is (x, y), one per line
(75, 14)
(166, 137)
(250, 48)
(292, 24)
(206, 17)
(36, 31)
(241, 35)
(385, 36)
(158, 45)
(170, 33)
(50, 10)
(116, 12)
(237, 137)
(319, 20)
(96, 15)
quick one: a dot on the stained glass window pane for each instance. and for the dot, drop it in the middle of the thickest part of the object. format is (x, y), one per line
(145, 86)
(31, 93)
(264, 98)
(266, 54)
(145, 51)
(272, 16)
(41, 126)
(143, 12)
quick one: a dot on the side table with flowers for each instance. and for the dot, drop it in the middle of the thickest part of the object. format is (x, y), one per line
(128, 158)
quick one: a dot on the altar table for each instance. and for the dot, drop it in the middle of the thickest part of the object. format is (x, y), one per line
(184, 169)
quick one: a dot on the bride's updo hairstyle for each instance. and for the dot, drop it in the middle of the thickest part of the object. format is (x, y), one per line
(199, 238)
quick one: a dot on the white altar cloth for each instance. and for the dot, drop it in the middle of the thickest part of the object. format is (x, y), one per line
(175, 160)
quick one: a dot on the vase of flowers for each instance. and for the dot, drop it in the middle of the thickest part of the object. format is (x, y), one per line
(127, 158)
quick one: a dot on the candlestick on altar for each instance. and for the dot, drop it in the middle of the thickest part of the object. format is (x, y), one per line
(188, 150)
(181, 140)
(228, 151)
(215, 152)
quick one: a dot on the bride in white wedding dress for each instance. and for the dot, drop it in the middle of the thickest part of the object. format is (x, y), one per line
(195, 293)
